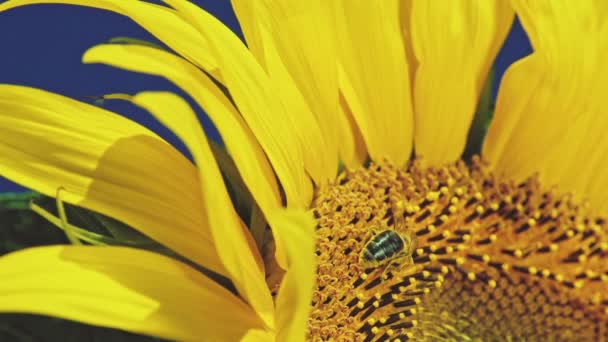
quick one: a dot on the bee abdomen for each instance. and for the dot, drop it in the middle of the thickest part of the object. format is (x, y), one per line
(383, 246)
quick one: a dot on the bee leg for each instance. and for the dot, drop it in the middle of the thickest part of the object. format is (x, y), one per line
(396, 264)
(393, 265)
(409, 260)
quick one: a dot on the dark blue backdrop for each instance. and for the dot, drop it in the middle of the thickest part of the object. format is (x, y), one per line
(42, 46)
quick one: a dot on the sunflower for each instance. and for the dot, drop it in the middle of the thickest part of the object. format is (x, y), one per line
(355, 113)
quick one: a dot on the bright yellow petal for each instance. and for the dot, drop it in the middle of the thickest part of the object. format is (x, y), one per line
(455, 43)
(244, 149)
(259, 336)
(405, 17)
(374, 76)
(240, 142)
(123, 288)
(550, 115)
(158, 20)
(353, 152)
(296, 232)
(235, 251)
(294, 41)
(105, 163)
(256, 98)
(245, 12)
(322, 167)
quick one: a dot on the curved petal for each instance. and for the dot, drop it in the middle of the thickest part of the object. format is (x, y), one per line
(353, 151)
(550, 114)
(306, 129)
(105, 163)
(294, 42)
(247, 154)
(296, 232)
(255, 96)
(374, 77)
(455, 43)
(235, 250)
(259, 336)
(123, 288)
(161, 21)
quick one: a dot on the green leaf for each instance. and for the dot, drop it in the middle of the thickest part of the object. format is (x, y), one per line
(17, 200)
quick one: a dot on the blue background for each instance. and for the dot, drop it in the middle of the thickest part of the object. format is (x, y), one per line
(42, 46)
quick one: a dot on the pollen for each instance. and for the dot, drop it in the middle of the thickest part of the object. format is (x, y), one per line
(490, 259)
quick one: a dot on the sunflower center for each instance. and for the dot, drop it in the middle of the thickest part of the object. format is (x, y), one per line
(454, 253)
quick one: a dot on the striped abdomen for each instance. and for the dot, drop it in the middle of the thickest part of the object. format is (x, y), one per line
(382, 247)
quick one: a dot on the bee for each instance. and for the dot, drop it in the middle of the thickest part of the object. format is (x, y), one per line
(389, 247)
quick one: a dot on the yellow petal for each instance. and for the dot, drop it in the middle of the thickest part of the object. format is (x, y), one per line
(248, 156)
(234, 249)
(294, 41)
(258, 335)
(550, 113)
(245, 12)
(374, 76)
(353, 151)
(158, 20)
(321, 167)
(256, 98)
(123, 288)
(105, 163)
(295, 230)
(405, 11)
(240, 142)
(455, 43)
